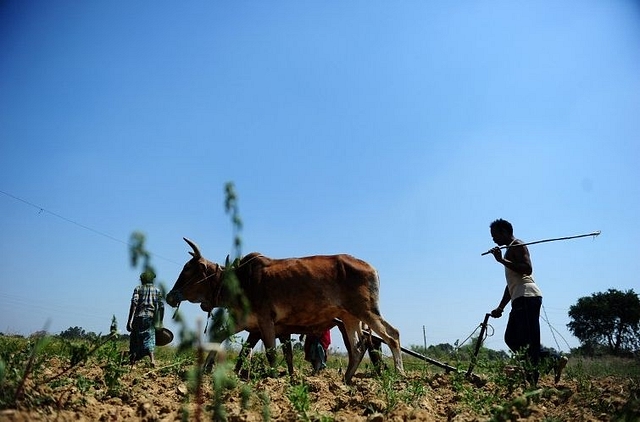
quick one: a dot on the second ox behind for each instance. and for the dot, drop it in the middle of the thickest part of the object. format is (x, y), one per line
(293, 292)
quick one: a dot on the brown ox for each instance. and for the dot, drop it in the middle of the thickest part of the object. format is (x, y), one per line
(307, 292)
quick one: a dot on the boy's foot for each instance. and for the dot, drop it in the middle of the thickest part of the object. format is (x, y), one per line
(559, 367)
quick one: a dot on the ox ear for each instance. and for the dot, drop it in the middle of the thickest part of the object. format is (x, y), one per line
(196, 251)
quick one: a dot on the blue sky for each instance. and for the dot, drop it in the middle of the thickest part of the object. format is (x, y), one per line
(395, 133)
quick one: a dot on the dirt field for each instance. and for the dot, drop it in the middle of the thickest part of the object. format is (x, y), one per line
(424, 394)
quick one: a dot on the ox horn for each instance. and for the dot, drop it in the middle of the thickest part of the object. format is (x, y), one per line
(196, 252)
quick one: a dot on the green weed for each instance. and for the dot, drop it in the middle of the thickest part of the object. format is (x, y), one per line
(222, 382)
(299, 396)
(389, 379)
(416, 390)
(19, 360)
(112, 368)
(266, 405)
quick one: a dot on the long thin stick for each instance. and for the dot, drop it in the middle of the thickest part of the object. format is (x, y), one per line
(549, 240)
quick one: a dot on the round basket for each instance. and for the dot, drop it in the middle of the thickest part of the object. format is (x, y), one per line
(164, 336)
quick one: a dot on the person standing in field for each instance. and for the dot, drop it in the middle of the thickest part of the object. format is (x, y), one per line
(523, 328)
(146, 311)
(316, 348)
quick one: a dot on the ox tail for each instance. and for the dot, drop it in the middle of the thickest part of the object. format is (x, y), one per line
(374, 287)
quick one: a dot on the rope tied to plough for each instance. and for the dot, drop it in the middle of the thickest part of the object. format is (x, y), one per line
(487, 334)
(554, 331)
(479, 327)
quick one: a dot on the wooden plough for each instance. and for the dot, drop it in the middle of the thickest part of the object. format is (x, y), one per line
(448, 368)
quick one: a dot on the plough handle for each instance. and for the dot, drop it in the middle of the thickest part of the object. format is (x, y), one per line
(483, 329)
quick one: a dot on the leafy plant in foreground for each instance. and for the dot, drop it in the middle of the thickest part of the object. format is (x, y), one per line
(221, 383)
(299, 397)
(112, 368)
(18, 361)
(389, 378)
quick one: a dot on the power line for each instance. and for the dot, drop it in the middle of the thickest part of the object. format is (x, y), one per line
(82, 226)
(41, 210)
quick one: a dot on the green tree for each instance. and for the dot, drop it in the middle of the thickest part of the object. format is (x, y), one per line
(73, 333)
(610, 319)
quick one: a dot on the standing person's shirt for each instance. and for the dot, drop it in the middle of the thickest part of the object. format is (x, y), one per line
(521, 285)
(146, 299)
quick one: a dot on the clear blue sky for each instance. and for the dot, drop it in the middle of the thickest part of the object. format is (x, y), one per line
(393, 132)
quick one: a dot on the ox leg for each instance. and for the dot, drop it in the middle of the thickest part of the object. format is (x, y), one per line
(287, 350)
(374, 348)
(215, 336)
(252, 340)
(354, 346)
(389, 335)
(269, 339)
(357, 345)
(209, 361)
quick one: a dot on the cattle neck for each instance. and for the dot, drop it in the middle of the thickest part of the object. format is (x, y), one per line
(216, 291)
(214, 272)
(218, 296)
